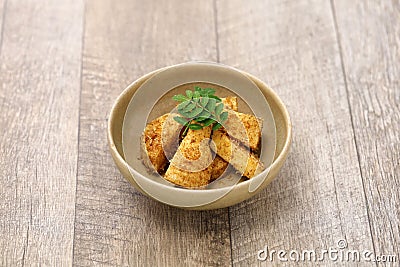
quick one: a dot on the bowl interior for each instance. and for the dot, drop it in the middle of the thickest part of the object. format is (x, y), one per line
(281, 117)
(174, 80)
(281, 121)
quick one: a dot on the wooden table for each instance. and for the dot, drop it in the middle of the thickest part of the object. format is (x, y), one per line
(335, 65)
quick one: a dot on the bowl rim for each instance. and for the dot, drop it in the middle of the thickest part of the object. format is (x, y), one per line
(276, 162)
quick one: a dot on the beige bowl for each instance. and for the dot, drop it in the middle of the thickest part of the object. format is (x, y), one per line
(240, 191)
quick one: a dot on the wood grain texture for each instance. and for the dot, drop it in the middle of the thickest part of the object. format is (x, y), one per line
(369, 34)
(62, 200)
(2, 11)
(115, 225)
(39, 102)
(318, 198)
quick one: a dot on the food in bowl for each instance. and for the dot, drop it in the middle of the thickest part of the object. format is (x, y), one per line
(205, 135)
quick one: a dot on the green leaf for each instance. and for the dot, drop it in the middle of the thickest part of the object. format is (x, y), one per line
(189, 107)
(219, 108)
(194, 112)
(189, 93)
(223, 116)
(205, 114)
(215, 97)
(195, 126)
(204, 101)
(209, 91)
(201, 106)
(201, 118)
(180, 120)
(208, 122)
(216, 126)
(184, 104)
(211, 104)
(179, 98)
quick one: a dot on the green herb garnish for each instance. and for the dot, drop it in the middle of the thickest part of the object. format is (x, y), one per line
(200, 108)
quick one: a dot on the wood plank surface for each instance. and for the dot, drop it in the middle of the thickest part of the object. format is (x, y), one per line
(2, 11)
(318, 198)
(369, 34)
(39, 102)
(63, 202)
(116, 225)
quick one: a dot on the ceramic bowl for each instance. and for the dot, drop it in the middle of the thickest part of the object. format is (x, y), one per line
(159, 191)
